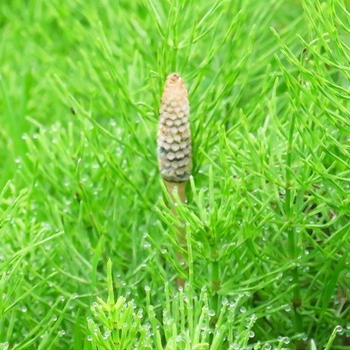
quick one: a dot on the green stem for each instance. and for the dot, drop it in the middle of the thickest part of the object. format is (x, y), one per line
(215, 282)
(292, 244)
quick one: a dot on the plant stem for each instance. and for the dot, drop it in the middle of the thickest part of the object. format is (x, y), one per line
(178, 188)
(292, 245)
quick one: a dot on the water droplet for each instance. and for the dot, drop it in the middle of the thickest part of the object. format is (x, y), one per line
(242, 309)
(75, 296)
(147, 288)
(107, 334)
(61, 333)
(267, 346)
(66, 183)
(339, 329)
(54, 318)
(286, 340)
(253, 317)
(251, 334)
(257, 346)
(287, 308)
(211, 313)
(163, 251)
(24, 308)
(89, 338)
(178, 339)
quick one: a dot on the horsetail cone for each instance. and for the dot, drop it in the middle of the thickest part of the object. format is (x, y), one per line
(174, 135)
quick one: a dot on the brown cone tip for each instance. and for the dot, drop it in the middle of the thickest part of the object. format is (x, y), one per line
(174, 135)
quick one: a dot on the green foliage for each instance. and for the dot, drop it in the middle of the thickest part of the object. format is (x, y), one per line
(266, 221)
(184, 321)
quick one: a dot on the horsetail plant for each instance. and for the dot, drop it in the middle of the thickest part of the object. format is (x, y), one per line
(174, 136)
(267, 214)
(174, 142)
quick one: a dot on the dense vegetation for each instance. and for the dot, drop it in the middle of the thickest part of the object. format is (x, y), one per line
(88, 248)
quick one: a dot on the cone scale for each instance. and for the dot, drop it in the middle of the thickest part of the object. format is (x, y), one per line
(174, 135)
